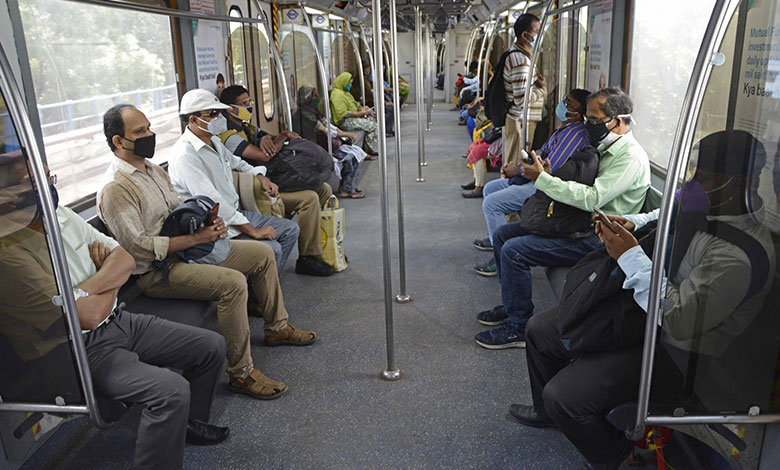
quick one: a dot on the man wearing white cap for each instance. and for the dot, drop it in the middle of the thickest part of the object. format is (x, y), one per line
(201, 165)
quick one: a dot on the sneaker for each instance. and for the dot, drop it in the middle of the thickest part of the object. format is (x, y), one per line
(502, 337)
(487, 269)
(483, 244)
(313, 267)
(496, 316)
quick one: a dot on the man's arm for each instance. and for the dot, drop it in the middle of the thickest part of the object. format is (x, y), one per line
(94, 309)
(113, 269)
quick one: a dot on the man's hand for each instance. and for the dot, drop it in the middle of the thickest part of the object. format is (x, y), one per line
(213, 232)
(267, 146)
(98, 252)
(619, 219)
(533, 171)
(540, 82)
(270, 188)
(292, 135)
(617, 242)
(510, 170)
(263, 233)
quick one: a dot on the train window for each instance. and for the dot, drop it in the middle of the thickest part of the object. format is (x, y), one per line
(37, 365)
(238, 55)
(661, 65)
(719, 347)
(266, 78)
(130, 61)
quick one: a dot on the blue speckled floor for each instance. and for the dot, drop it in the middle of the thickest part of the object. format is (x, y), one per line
(449, 410)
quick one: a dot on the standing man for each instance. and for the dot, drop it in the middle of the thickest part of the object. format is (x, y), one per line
(202, 166)
(517, 72)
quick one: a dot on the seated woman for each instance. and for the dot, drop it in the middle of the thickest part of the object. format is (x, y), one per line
(310, 123)
(347, 113)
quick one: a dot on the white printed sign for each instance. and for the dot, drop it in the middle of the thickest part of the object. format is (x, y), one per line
(292, 16)
(599, 40)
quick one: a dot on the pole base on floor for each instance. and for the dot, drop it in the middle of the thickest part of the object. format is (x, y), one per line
(391, 375)
(403, 298)
(421, 180)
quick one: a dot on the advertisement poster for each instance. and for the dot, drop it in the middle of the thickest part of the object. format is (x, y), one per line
(599, 39)
(209, 42)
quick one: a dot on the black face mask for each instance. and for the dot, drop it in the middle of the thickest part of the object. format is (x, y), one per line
(31, 198)
(596, 132)
(144, 146)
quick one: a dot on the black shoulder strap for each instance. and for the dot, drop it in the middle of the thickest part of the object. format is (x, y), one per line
(759, 260)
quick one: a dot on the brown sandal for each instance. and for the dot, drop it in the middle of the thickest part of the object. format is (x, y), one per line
(258, 385)
(290, 335)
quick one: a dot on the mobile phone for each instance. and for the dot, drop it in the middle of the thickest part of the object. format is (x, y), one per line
(603, 217)
(213, 213)
(527, 158)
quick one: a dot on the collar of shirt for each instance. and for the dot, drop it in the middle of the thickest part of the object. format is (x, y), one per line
(120, 165)
(620, 145)
(198, 144)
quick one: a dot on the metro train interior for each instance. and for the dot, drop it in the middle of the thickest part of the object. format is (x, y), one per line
(448, 314)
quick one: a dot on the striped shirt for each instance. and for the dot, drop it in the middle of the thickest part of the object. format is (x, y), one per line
(516, 71)
(564, 142)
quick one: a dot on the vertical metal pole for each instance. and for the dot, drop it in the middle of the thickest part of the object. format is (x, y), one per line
(484, 79)
(286, 103)
(391, 373)
(482, 49)
(402, 297)
(428, 74)
(359, 65)
(418, 91)
(534, 56)
(323, 76)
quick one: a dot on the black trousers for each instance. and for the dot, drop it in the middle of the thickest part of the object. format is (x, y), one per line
(577, 392)
(129, 357)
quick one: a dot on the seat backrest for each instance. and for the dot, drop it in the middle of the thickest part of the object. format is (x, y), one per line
(652, 200)
(99, 226)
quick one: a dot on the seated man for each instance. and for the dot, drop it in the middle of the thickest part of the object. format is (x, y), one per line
(709, 288)
(201, 165)
(134, 206)
(258, 148)
(506, 195)
(621, 183)
(129, 354)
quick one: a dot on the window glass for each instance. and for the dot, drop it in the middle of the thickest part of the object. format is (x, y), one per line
(266, 78)
(662, 56)
(79, 71)
(37, 364)
(719, 345)
(238, 55)
(299, 60)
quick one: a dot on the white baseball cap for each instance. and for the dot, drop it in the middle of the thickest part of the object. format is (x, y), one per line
(199, 100)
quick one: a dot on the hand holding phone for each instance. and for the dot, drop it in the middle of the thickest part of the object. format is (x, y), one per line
(604, 218)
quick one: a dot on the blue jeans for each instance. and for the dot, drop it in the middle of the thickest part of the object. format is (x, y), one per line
(516, 251)
(286, 235)
(471, 124)
(350, 170)
(464, 114)
(502, 198)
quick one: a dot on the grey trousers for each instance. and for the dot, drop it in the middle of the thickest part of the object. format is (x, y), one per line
(128, 359)
(286, 235)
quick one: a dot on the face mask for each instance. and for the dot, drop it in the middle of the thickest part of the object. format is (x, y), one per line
(244, 113)
(348, 87)
(216, 126)
(316, 102)
(533, 41)
(560, 112)
(596, 132)
(143, 146)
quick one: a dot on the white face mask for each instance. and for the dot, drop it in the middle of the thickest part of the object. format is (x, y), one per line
(216, 126)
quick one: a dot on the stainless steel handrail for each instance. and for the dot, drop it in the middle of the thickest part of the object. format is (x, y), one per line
(16, 108)
(493, 35)
(480, 58)
(681, 147)
(403, 296)
(532, 70)
(157, 10)
(323, 75)
(428, 78)
(279, 67)
(392, 372)
(468, 50)
(419, 93)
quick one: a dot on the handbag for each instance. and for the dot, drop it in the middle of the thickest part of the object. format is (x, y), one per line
(491, 134)
(332, 226)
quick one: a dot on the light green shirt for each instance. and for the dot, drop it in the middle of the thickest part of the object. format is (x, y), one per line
(621, 182)
(77, 234)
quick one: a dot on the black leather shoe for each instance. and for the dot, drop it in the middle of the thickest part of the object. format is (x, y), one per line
(311, 266)
(205, 434)
(526, 414)
(471, 194)
(468, 186)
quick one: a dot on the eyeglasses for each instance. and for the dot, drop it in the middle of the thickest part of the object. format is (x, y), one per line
(213, 113)
(52, 179)
(246, 104)
(597, 121)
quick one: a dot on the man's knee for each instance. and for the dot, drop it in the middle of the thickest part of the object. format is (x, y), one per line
(171, 392)
(503, 234)
(557, 401)
(213, 343)
(232, 283)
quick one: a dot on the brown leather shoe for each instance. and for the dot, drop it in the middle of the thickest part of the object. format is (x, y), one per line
(258, 385)
(290, 335)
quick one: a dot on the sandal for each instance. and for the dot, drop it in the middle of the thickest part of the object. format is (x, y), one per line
(290, 335)
(355, 195)
(258, 385)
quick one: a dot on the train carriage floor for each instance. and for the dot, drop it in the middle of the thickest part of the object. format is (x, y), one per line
(450, 408)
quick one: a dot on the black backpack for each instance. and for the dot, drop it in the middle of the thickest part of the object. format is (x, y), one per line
(542, 215)
(188, 218)
(300, 165)
(596, 314)
(496, 105)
